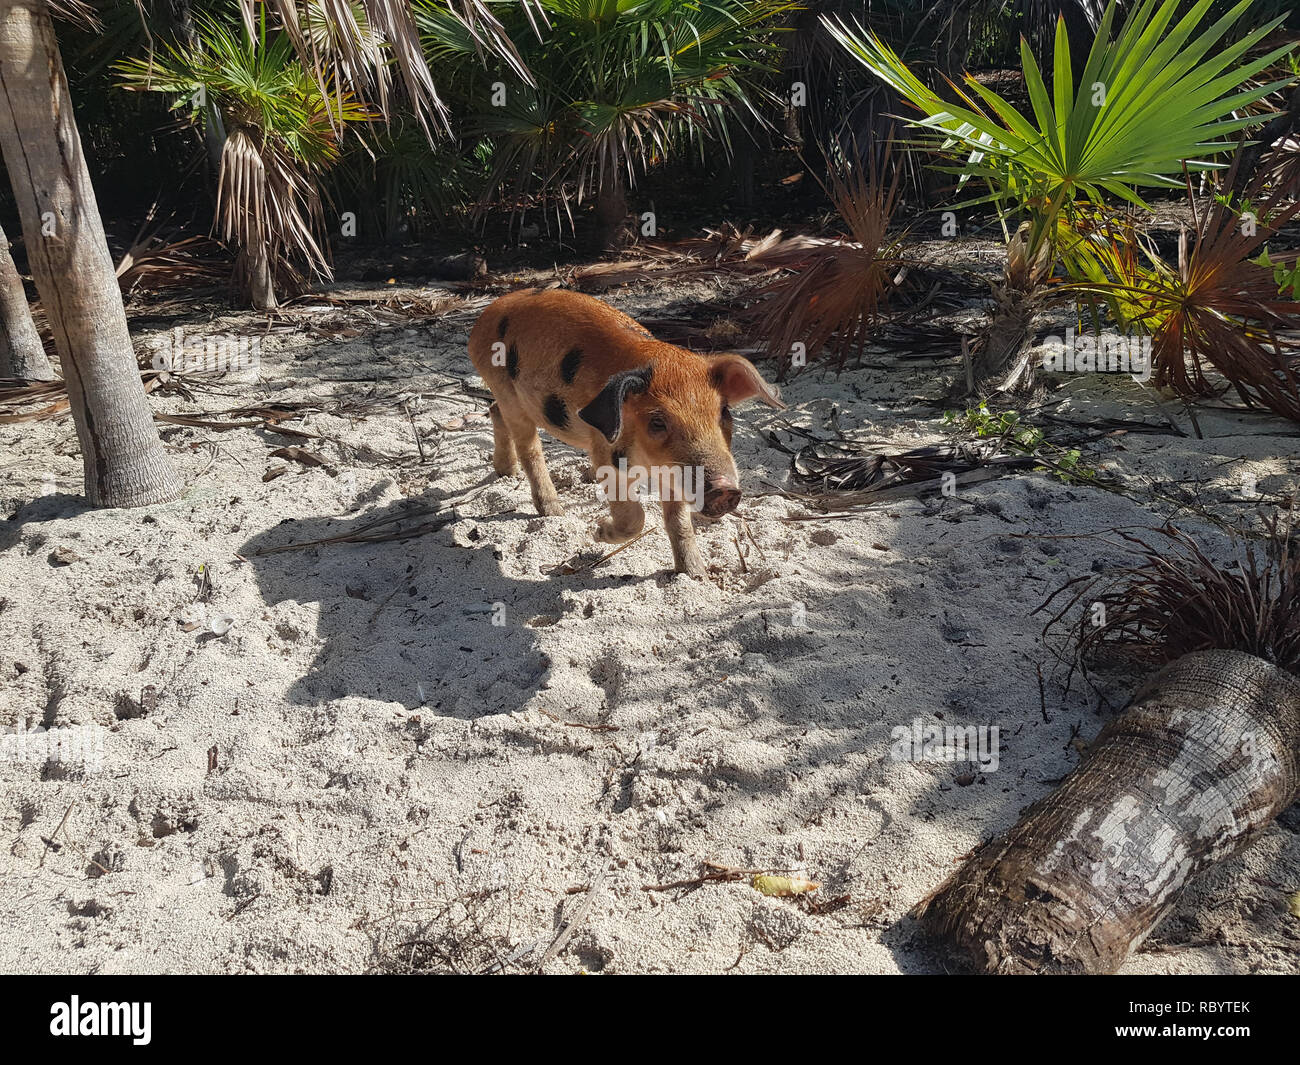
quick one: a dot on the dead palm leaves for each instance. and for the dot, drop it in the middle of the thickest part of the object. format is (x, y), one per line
(153, 262)
(836, 291)
(360, 45)
(1177, 600)
(267, 206)
(1217, 308)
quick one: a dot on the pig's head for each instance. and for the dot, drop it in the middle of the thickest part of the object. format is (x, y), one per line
(675, 413)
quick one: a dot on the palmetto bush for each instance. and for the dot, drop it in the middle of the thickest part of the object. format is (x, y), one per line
(614, 86)
(280, 133)
(837, 291)
(1158, 93)
(1153, 95)
(405, 187)
(1218, 306)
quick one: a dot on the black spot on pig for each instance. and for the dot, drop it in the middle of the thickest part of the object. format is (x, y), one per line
(502, 326)
(569, 365)
(512, 361)
(556, 412)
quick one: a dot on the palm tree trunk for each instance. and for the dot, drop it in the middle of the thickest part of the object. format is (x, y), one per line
(611, 212)
(124, 461)
(21, 352)
(1004, 348)
(259, 279)
(1003, 362)
(1204, 759)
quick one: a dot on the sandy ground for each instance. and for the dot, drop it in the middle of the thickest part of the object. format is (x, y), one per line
(365, 773)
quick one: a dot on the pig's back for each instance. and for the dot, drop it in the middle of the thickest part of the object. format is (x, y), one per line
(541, 323)
(557, 351)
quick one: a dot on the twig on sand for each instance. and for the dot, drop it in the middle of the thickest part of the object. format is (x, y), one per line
(365, 535)
(415, 432)
(609, 554)
(50, 844)
(579, 915)
(576, 724)
(387, 599)
(50, 841)
(715, 872)
(369, 534)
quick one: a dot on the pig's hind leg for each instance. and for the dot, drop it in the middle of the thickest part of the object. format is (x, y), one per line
(505, 459)
(528, 446)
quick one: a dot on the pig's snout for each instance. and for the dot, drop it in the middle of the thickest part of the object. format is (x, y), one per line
(721, 496)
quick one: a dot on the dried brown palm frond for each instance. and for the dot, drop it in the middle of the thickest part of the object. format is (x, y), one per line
(31, 401)
(359, 44)
(723, 250)
(154, 262)
(1218, 306)
(1280, 167)
(1178, 600)
(78, 12)
(360, 54)
(836, 292)
(836, 469)
(266, 206)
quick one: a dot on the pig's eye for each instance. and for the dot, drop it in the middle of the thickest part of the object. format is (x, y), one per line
(657, 424)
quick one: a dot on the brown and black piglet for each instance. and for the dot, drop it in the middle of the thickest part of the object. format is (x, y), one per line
(644, 411)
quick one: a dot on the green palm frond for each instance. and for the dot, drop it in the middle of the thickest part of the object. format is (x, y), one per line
(616, 82)
(1158, 92)
(281, 131)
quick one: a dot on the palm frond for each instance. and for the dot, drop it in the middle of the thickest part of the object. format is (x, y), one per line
(1157, 93)
(1178, 600)
(1219, 306)
(838, 291)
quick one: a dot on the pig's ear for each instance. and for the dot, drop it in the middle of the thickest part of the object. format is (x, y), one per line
(605, 412)
(735, 377)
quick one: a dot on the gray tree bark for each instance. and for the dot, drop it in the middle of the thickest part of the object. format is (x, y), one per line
(1204, 758)
(124, 461)
(611, 212)
(21, 352)
(259, 279)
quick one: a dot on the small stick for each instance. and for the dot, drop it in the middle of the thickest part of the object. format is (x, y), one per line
(576, 724)
(718, 872)
(415, 432)
(606, 557)
(71, 843)
(579, 915)
(66, 814)
(745, 525)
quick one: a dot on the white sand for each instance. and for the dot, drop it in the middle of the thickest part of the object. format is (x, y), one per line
(383, 749)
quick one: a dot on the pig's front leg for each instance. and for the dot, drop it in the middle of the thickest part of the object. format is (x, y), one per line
(626, 519)
(681, 534)
(626, 515)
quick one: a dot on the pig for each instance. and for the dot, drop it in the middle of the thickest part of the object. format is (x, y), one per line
(599, 381)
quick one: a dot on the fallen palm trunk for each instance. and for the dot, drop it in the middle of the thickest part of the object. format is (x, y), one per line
(1204, 758)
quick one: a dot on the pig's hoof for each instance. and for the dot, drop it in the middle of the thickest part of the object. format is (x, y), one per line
(504, 469)
(609, 533)
(550, 508)
(694, 567)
